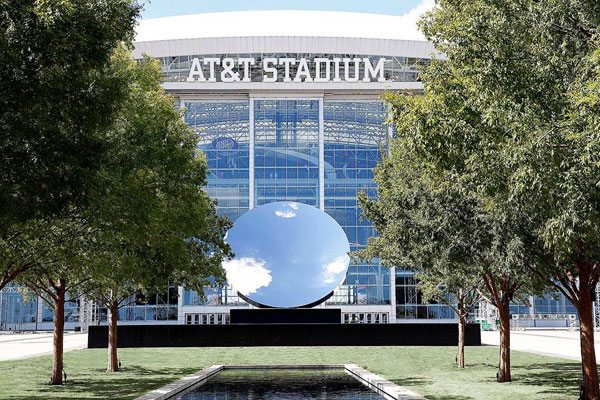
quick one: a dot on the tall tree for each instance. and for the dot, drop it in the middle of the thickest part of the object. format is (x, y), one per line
(459, 291)
(426, 220)
(57, 101)
(512, 110)
(58, 275)
(155, 224)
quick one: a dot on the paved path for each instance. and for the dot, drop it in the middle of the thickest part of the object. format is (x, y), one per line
(563, 344)
(17, 346)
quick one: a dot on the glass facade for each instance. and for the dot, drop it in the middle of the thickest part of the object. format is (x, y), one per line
(286, 151)
(17, 306)
(287, 162)
(354, 136)
(224, 131)
(410, 303)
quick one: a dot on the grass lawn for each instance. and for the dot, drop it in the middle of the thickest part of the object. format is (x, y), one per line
(429, 371)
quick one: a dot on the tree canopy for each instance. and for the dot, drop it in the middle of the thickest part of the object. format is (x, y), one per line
(511, 109)
(57, 99)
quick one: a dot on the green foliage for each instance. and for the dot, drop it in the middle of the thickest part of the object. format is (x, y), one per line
(148, 222)
(521, 125)
(511, 113)
(57, 100)
(154, 223)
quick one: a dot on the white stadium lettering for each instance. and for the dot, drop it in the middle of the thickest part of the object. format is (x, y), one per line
(246, 63)
(268, 69)
(211, 63)
(302, 70)
(196, 73)
(319, 63)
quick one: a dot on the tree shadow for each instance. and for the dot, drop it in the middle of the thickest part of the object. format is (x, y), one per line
(562, 378)
(411, 381)
(128, 383)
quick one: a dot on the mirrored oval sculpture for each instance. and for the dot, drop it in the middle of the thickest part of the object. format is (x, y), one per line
(287, 254)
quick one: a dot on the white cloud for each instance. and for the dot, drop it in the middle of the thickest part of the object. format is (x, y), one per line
(332, 270)
(285, 214)
(247, 274)
(294, 206)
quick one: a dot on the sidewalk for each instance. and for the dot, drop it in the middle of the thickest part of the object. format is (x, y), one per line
(563, 344)
(18, 346)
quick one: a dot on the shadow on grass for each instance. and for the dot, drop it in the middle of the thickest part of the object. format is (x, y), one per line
(560, 378)
(449, 397)
(411, 381)
(129, 383)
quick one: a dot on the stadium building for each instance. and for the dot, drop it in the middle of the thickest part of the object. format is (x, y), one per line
(287, 106)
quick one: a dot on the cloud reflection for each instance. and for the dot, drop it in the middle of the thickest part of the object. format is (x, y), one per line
(247, 274)
(287, 210)
(334, 272)
(285, 214)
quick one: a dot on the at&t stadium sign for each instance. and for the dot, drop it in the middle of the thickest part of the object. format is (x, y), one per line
(245, 69)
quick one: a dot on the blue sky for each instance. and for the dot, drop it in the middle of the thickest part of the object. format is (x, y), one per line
(166, 8)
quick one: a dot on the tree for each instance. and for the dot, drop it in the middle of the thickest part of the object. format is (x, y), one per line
(426, 225)
(147, 222)
(512, 109)
(58, 276)
(452, 287)
(57, 100)
(426, 220)
(155, 224)
(563, 186)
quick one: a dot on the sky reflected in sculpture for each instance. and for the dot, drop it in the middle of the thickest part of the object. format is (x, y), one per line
(287, 254)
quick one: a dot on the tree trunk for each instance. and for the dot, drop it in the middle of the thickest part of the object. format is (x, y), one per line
(113, 360)
(460, 360)
(504, 370)
(59, 325)
(586, 337)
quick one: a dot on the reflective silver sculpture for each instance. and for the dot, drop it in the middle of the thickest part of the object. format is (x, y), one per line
(287, 254)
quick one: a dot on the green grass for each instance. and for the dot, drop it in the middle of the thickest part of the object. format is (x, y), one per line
(427, 370)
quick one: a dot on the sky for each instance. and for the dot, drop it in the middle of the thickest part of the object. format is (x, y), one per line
(167, 8)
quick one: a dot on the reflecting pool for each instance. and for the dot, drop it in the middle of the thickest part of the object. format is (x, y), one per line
(287, 254)
(288, 384)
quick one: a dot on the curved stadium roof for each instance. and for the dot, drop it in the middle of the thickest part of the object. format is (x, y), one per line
(282, 23)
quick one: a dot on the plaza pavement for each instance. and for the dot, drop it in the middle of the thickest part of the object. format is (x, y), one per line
(17, 346)
(558, 343)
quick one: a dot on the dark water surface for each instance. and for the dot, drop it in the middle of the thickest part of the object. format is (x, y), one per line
(287, 384)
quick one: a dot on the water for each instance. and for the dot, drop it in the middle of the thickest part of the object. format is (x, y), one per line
(287, 384)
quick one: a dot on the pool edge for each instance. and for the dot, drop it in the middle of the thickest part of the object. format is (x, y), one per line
(172, 389)
(374, 382)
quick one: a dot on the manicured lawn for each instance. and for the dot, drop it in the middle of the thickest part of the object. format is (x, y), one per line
(427, 370)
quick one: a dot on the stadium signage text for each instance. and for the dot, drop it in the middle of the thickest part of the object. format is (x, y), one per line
(214, 69)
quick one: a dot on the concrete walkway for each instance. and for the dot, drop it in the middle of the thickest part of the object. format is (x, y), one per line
(564, 344)
(17, 346)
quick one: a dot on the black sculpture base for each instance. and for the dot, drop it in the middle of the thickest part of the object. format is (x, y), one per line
(238, 335)
(286, 316)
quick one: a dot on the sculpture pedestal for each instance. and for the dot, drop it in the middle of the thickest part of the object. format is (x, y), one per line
(286, 316)
(248, 335)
